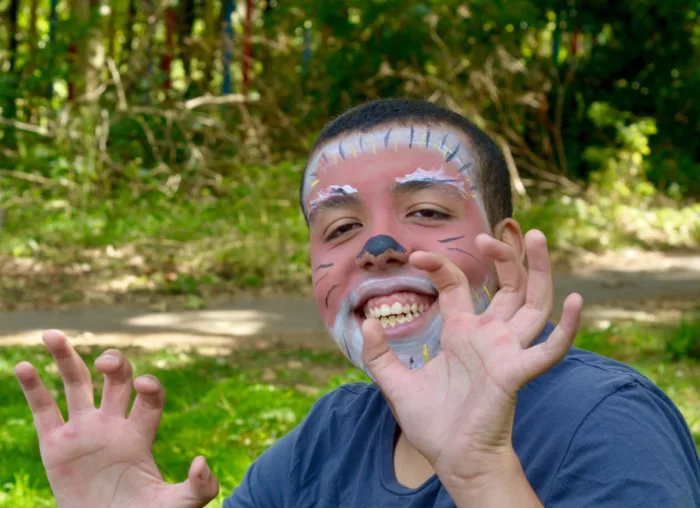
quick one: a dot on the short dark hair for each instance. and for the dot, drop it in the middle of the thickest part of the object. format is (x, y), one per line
(493, 178)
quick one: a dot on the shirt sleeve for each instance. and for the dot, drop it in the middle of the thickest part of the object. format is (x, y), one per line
(266, 482)
(633, 450)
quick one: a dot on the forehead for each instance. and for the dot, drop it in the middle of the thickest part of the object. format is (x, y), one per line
(402, 152)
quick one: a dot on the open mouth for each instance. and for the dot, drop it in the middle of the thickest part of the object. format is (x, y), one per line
(398, 312)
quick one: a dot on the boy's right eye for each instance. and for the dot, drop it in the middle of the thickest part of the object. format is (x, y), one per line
(341, 230)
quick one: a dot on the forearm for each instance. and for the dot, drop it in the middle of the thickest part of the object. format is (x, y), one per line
(504, 488)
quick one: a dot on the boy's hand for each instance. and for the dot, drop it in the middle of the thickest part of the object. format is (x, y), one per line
(101, 457)
(458, 410)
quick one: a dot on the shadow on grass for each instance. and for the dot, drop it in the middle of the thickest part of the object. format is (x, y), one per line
(230, 408)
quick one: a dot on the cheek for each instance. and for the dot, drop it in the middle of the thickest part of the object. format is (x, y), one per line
(328, 288)
(463, 251)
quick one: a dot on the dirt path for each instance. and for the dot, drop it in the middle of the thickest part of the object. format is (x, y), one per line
(628, 285)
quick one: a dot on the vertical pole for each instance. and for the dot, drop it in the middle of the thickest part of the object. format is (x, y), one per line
(306, 54)
(167, 60)
(247, 45)
(229, 8)
(52, 41)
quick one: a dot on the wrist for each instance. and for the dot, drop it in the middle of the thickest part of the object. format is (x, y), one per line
(502, 484)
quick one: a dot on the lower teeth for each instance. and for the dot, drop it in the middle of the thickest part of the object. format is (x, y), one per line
(397, 319)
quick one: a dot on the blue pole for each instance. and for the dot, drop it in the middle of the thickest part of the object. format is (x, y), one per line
(227, 53)
(306, 55)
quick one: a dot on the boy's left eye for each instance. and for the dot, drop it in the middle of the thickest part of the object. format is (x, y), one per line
(429, 213)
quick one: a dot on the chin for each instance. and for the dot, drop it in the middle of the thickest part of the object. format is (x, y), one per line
(413, 330)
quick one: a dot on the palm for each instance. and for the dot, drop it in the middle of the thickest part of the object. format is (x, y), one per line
(463, 401)
(98, 460)
(101, 456)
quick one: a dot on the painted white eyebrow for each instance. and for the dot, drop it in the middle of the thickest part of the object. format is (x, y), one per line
(330, 191)
(444, 140)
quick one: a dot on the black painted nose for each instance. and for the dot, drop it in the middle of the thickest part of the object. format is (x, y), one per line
(381, 250)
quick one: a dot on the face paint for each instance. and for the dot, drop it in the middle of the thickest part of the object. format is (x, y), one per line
(443, 140)
(333, 190)
(372, 199)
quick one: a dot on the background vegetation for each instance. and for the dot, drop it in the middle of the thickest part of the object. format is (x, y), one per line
(168, 125)
(156, 147)
(232, 407)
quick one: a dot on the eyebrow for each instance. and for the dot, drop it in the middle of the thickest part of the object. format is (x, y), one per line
(332, 203)
(441, 185)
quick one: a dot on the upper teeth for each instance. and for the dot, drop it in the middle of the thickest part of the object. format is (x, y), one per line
(397, 313)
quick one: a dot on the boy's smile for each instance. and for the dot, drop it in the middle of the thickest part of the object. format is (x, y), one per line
(374, 198)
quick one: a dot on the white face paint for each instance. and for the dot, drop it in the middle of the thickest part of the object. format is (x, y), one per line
(433, 175)
(349, 165)
(413, 351)
(443, 139)
(332, 190)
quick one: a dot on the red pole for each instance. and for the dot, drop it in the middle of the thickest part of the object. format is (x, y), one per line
(73, 58)
(247, 45)
(167, 60)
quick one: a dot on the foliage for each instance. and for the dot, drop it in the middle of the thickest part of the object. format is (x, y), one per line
(233, 406)
(536, 74)
(685, 342)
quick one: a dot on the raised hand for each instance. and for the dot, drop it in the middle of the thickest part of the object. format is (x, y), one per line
(458, 409)
(100, 456)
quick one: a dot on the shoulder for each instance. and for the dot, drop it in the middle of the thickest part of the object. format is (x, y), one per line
(308, 451)
(580, 382)
(596, 432)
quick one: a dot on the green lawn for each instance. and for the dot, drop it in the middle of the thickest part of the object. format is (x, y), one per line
(231, 408)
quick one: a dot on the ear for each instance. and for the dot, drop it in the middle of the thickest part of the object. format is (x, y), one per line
(508, 231)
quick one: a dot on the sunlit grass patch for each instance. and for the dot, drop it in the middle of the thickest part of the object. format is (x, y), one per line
(230, 408)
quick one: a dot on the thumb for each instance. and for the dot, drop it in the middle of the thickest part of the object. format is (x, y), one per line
(200, 487)
(381, 362)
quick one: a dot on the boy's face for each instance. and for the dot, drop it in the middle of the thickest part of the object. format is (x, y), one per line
(372, 199)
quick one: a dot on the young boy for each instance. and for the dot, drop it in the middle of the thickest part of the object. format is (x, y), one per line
(418, 273)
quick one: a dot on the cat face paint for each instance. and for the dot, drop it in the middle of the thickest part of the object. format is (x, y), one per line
(372, 199)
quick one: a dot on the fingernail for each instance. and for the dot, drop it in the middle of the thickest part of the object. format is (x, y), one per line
(111, 357)
(204, 475)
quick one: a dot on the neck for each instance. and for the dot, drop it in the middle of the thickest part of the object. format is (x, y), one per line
(410, 467)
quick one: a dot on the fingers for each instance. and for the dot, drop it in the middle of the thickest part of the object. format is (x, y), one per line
(512, 276)
(203, 484)
(200, 488)
(529, 321)
(454, 293)
(47, 416)
(116, 394)
(148, 406)
(381, 362)
(541, 357)
(76, 376)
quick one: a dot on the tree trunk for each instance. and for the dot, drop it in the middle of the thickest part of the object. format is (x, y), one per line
(90, 50)
(185, 23)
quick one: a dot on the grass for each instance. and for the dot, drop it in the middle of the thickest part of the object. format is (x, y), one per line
(233, 407)
(243, 231)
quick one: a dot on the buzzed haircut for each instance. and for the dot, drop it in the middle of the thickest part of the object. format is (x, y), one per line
(493, 178)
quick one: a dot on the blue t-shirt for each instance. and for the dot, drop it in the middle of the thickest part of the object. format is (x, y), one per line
(590, 432)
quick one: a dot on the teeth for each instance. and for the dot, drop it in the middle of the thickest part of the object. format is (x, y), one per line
(396, 313)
